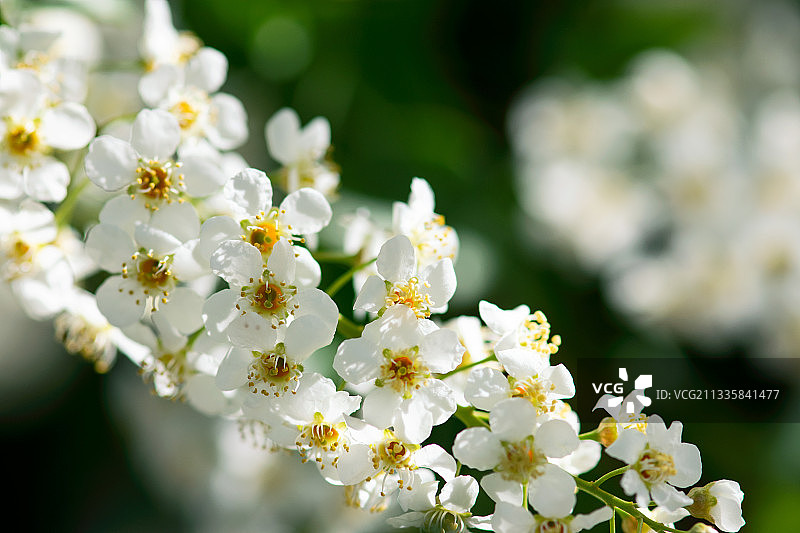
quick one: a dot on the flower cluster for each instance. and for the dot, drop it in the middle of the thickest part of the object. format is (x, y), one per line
(207, 278)
(676, 183)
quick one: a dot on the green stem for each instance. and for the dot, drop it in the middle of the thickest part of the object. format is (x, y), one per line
(525, 495)
(347, 328)
(468, 366)
(193, 337)
(468, 418)
(590, 435)
(639, 526)
(611, 474)
(334, 257)
(613, 523)
(64, 210)
(618, 503)
(340, 282)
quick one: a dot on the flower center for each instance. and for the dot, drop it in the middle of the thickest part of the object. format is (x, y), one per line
(273, 372)
(535, 332)
(319, 440)
(18, 257)
(90, 341)
(403, 371)
(552, 526)
(168, 371)
(441, 520)
(186, 113)
(521, 461)
(409, 293)
(535, 391)
(23, 139)
(155, 180)
(655, 467)
(152, 273)
(270, 299)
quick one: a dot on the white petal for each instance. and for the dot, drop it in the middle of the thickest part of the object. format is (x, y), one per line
(124, 212)
(561, 379)
(513, 420)
(229, 131)
(396, 260)
(318, 303)
(219, 311)
(500, 489)
(155, 134)
(109, 247)
(118, 305)
(633, 485)
(372, 296)
(47, 180)
(459, 494)
(556, 438)
(588, 521)
(111, 163)
(207, 69)
(441, 276)
(305, 211)
(178, 219)
(688, 464)
(628, 446)
(501, 321)
(307, 271)
(581, 460)
(552, 494)
(355, 464)
(202, 394)
(237, 262)
(486, 387)
(250, 191)
(203, 175)
(252, 331)
(434, 457)
(380, 405)
(67, 126)
(412, 422)
(214, 231)
(305, 335)
(316, 137)
(183, 310)
(511, 518)
(478, 448)
(668, 496)
(357, 361)
(437, 399)
(154, 86)
(521, 363)
(232, 372)
(281, 261)
(421, 498)
(159, 241)
(441, 350)
(412, 519)
(421, 197)
(282, 133)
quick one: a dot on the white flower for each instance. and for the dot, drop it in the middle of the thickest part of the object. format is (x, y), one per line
(316, 415)
(26, 230)
(258, 223)
(302, 152)
(401, 354)
(425, 229)
(275, 367)
(39, 51)
(659, 514)
(84, 330)
(399, 282)
(478, 342)
(719, 502)
(189, 93)
(30, 128)
(260, 300)
(517, 448)
(510, 518)
(161, 43)
(449, 511)
(659, 463)
(525, 344)
(146, 166)
(544, 388)
(376, 453)
(151, 268)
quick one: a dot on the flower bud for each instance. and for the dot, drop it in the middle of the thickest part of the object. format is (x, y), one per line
(607, 431)
(702, 528)
(719, 502)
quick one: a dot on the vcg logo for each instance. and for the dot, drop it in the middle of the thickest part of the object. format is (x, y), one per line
(619, 407)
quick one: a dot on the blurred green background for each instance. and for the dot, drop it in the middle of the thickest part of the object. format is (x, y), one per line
(411, 88)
